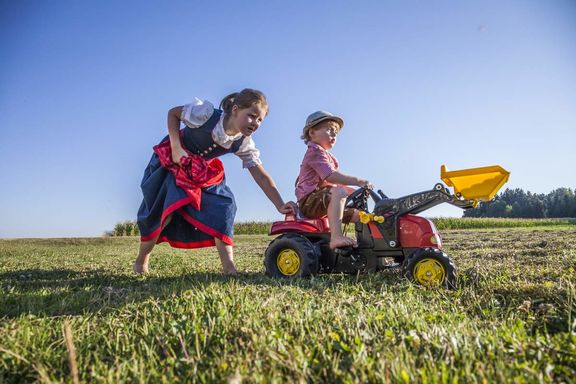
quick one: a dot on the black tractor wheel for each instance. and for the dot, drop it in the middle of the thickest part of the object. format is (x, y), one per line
(291, 255)
(430, 267)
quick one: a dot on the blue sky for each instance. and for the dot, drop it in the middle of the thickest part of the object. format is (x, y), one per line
(85, 87)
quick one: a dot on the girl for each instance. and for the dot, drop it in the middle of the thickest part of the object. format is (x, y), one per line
(186, 200)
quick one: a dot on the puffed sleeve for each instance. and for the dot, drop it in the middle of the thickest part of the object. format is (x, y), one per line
(249, 154)
(196, 113)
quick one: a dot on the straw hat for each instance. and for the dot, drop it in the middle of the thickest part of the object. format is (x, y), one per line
(318, 117)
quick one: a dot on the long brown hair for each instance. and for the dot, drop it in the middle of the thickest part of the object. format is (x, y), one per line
(243, 99)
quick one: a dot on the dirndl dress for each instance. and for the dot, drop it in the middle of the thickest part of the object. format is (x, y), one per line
(189, 227)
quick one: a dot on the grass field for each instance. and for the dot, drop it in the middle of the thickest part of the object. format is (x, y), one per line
(73, 305)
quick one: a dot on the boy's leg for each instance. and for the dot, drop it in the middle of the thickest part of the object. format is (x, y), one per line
(226, 253)
(141, 263)
(335, 211)
(352, 215)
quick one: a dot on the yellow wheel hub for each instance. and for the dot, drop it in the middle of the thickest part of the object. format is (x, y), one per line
(288, 262)
(429, 272)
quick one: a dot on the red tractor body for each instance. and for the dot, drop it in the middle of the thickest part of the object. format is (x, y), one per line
(413, 231)
(391, 236)
(391, 230)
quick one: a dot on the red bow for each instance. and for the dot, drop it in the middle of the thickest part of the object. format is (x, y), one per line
(193, 173)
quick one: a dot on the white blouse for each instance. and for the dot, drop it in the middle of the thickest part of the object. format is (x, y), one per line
(199, 111)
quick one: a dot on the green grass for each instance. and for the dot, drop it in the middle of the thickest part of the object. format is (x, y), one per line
(513, 319)
(252, 227)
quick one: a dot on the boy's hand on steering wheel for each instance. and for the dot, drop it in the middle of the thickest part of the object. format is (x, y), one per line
(365, 184)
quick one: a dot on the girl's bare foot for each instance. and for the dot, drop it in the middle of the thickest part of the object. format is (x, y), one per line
(338, 242)
(229, 269)
(140, 268)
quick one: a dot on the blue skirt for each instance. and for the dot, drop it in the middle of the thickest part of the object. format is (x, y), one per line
(189, 228)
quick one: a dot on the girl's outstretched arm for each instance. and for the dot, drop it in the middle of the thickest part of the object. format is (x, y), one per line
(174, 133)
(266, 183)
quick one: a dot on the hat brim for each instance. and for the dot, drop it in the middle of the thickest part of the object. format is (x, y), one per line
(337, 119)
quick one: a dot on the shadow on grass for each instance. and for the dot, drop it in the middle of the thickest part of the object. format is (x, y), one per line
(68, 292)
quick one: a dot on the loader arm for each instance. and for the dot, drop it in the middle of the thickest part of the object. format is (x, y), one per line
(419, 202)
(470, 187)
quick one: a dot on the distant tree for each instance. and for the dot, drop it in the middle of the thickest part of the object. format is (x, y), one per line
(495, 208)
(119, 229)
(562, 203)
(516, 203)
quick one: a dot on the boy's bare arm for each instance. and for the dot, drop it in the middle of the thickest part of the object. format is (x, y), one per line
(342, 179)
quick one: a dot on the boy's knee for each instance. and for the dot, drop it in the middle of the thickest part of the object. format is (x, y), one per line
(339, 192)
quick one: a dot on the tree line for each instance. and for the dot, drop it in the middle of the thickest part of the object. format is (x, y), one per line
(515, 203)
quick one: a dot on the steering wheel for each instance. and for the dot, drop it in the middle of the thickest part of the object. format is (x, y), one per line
(358, 199)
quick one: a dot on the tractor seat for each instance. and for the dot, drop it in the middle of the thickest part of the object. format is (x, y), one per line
(297, 223)
(321, 223)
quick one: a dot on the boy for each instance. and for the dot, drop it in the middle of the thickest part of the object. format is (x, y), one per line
(321, 189)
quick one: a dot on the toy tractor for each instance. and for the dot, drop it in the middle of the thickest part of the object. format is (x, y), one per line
(391, 236)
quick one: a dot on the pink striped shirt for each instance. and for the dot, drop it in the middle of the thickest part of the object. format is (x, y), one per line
(316, 166)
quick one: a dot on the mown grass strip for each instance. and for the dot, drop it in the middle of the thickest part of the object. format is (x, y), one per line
(129, 228)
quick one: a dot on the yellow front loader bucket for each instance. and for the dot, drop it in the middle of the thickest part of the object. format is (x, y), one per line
(478, 184)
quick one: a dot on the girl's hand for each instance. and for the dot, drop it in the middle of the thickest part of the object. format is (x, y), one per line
(288, 208)
(178, 153)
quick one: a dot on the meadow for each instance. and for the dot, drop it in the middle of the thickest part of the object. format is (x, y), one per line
(72, 310)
